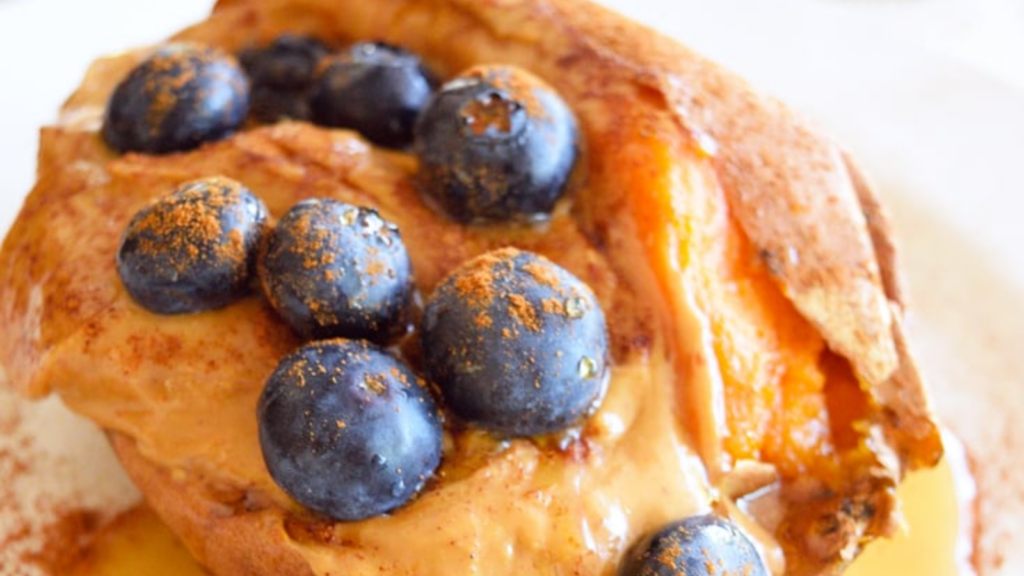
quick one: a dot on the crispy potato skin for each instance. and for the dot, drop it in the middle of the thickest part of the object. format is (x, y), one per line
(677, 154)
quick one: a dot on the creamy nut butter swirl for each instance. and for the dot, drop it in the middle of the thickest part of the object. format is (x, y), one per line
(185, 387)
(758, 365)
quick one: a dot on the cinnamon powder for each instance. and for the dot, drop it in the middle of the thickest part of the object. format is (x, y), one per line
(185, 229)
(522, 311)
(49, 509)
(172, 70)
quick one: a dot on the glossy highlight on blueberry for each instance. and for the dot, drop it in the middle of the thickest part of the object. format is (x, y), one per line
(281, 74)
(347, 430)
(705, 545)
(194, 249)
(375, 88)
(177, 99)
(517, 344)
(496, 144)
(333, 269)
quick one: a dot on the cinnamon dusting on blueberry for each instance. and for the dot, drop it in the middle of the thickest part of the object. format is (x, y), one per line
(520, 309)
(495, 144)
(504, 352)
(332, 269)
(514, 90)
(193, 229)
(490, 113)
(177, 99)
(193, 250)
(553, 306)
(542, 274)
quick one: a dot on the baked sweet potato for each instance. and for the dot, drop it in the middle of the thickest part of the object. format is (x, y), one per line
(747, 270)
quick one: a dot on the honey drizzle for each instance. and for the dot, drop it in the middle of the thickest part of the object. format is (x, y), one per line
(937, 541)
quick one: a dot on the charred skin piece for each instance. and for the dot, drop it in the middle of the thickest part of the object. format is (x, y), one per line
(179, 98)
(194, 249)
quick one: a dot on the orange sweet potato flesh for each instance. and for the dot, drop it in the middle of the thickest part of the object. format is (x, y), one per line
(769, 357)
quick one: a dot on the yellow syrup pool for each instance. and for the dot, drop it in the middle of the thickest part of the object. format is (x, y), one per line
(138, 543)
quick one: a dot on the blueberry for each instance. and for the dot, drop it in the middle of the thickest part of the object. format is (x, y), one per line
(697, 546)
(193, 250)
(288, 62)
(347, 430)
(281, 74)
(517, 344)
(177, 99)
(333, 269)
(375, 88)
(496, 143)
(270, 105)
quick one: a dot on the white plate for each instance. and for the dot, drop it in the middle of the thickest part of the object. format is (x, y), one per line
(943, 141)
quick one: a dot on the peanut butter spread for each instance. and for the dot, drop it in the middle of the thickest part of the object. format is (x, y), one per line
(758, 363)
(185, 387)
